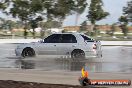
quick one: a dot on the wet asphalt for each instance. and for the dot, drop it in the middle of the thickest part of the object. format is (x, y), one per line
(115, 59)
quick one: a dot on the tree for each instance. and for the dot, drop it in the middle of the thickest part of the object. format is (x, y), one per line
(7, 24)
(80, 6)
(1, 22)
(1, 5)
(21, 10)
(113, 28)
(123, 24)
(27, 11)
(34, 24)
(123, 19)
(128, 11)
(47, 25)
(126, 18)
(96, 12)
(4, 4)
(83, 26)
(61, 9)
(124, 29)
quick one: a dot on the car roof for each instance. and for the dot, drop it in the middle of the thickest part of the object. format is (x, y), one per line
(76, 33)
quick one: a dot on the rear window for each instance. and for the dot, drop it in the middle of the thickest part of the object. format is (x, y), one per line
(86, 38)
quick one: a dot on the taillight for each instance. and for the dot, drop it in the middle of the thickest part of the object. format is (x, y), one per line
(94, 46)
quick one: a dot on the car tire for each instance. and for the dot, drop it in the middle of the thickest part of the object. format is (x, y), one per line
(28, 52)
(78, 54)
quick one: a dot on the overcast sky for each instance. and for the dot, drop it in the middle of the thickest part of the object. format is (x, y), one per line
(114, 7)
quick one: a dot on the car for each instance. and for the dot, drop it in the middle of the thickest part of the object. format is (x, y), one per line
(73, 45)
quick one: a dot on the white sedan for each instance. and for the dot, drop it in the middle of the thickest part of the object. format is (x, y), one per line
(74, 45)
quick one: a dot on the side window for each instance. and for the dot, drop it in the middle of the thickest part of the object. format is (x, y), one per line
(86, 38)
(68, 38)
(55, 38)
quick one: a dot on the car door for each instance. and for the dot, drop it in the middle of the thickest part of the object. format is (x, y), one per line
(67, 45)
(48, 47)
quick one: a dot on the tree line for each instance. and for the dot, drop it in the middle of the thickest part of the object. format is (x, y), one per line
(32, 12)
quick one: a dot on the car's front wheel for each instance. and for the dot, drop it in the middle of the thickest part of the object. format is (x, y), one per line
(78, 54)
(28, 52)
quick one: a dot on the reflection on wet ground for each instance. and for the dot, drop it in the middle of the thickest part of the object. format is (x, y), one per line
(115, 59)
(70, 65)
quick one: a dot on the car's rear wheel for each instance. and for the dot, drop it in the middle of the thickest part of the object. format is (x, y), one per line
(28, 52)
(79, 54)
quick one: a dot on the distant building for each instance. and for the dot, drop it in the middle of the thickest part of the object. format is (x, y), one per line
(36, 29)
(104, 27)
(130, 28)
(16, 30)
(71, 28)
(55, 30)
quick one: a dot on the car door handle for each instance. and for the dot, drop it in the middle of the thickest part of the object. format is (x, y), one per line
(54, 45)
